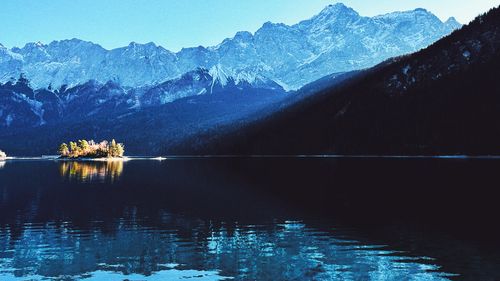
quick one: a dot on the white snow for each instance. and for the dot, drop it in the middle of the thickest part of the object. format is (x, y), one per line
(8, 120)
(36, 106)
(218, 75)
(406, 69)
(337, 40)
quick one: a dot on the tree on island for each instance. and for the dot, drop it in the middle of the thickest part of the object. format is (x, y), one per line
(116, 148)
(63, 150)
(73, 148)
(90, 149)
(2, 155)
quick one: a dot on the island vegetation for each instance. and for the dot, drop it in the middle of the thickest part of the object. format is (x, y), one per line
(91, 149)
(84, 171)
(3, 155)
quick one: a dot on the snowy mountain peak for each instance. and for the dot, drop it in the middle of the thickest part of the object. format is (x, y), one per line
(336, 12)
(219, 75)
(412, 15)
(139, 45)
(337, 8)
(337, 39)
(68, 42)
(273, 26)
(243, 35)
(34, 45)
(453, 23)
(421, 10)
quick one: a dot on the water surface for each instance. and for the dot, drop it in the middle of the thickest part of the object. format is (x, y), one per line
(249, 219)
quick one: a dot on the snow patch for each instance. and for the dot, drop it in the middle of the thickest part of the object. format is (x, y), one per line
(35, 106)
(8, 120)
(406, 69)
(218, 75)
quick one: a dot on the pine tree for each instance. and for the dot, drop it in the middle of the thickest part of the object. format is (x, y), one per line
(84, 146)
(90, 149)
(63, 149)
(113, 148)
(74, 148)
(120, 150)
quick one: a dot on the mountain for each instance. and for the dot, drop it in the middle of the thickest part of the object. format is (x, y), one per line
(338, 39)
(33, 122)
(154, 100)
(24, 107)
(202, 81)
(441, 100)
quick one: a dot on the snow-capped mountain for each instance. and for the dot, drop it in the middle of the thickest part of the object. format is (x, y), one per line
(21, 106)
(442, 100)
(338, 39)
(204, 81)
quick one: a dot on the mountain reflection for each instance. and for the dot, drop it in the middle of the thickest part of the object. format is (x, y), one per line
(249, 219)
(91, 171)
(178, 248)
(2, 164)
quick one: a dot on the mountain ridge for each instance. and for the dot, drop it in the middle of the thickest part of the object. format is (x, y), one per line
(442, 100)
(22, 106)
(309, 44)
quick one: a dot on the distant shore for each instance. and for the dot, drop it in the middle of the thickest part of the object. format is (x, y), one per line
(85, 159)
(89, 159)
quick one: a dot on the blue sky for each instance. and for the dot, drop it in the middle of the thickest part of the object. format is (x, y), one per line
(183, 23)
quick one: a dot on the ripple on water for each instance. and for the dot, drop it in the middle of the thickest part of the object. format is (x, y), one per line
(121, 230)
(59, 252)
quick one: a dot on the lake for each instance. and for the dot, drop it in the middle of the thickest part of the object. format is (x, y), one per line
(296, 218)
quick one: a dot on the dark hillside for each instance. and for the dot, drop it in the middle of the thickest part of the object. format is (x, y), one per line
(442, 100)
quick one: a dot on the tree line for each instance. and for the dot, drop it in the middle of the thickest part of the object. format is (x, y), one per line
(91, 149)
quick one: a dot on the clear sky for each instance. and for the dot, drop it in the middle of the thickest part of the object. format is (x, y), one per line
(184, 23)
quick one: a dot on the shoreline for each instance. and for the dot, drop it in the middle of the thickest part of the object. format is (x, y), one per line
(104, 159)
(160, 158)
(56, 158)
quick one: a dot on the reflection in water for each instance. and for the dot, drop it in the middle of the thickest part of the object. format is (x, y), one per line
(247, 219)
(91, 171)
(182, 249)
(2, 164)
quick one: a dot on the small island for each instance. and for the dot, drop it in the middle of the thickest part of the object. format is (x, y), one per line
(3, 155)
(84, 149)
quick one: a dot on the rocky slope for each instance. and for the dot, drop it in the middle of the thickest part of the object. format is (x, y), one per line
(442, 100)
(24, 107)
(338, 39)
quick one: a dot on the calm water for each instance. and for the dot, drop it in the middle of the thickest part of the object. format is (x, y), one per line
(250, 219)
